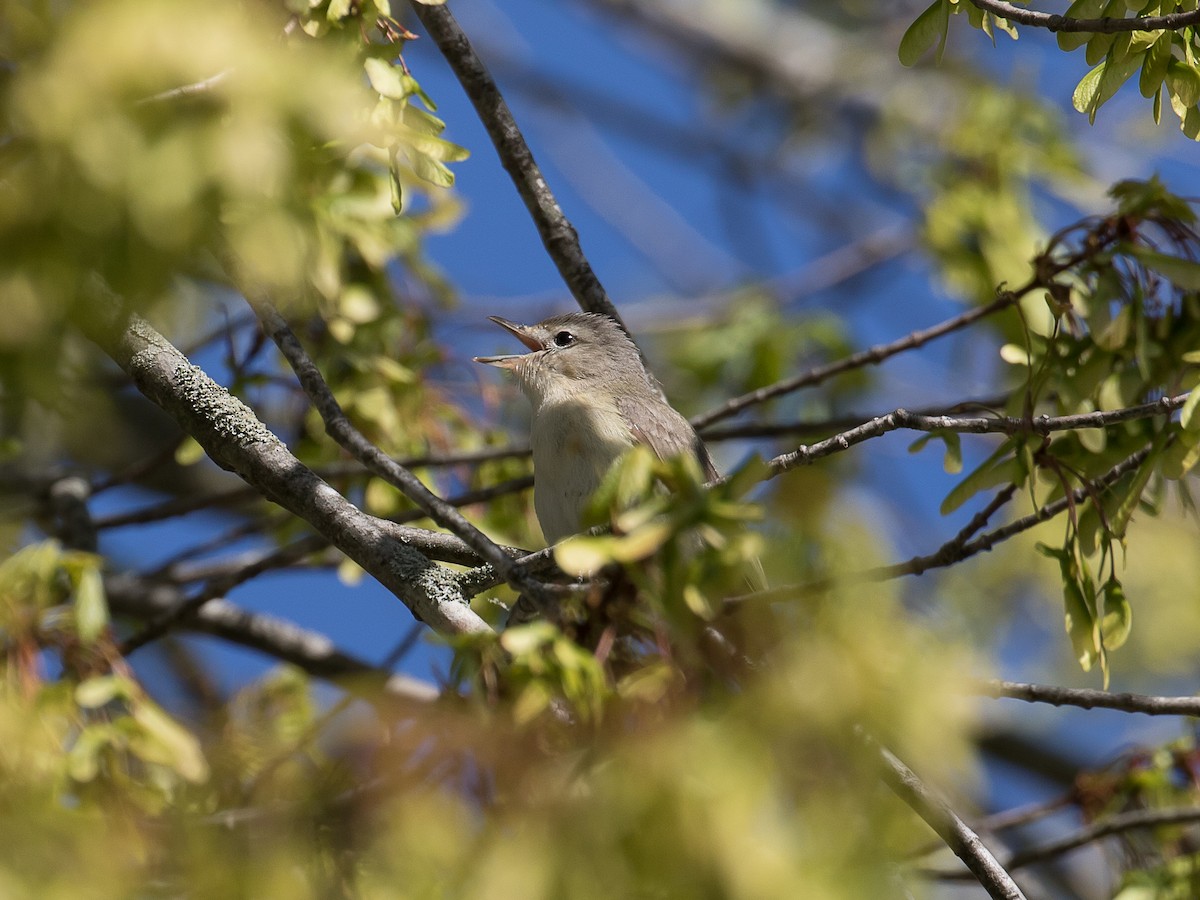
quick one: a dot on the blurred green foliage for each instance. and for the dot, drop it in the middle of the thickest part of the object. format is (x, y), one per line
(671, 734)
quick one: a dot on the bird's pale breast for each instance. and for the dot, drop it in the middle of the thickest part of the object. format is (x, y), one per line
(574, 445)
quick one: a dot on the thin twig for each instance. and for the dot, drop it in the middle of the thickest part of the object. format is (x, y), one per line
(280, 639)
(870, 356)
(1092, 699)
(953, 552)
(838, 423)
(1122, 822)
(284, 556)
(903, 419)
(1052, 22)
(950, 827)
(1140, 818)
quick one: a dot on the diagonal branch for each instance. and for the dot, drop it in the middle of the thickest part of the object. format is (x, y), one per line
(235, 439)
(868, 357)
(557, 233)
(1108, 25)
(379, 463)
(950, 827)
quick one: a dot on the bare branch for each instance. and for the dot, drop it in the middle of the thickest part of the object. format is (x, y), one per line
(868, 357)
(1051, 22)
(1093, 699)
(1122, 822)
(236, 440)
(558, 234)
(950, 827)
(1140, 818)
(953, 551)
(902, 418)
(343, 431)
(278, 638)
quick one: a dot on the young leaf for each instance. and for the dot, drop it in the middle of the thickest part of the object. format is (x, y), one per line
(929, 28)
(1117, 618)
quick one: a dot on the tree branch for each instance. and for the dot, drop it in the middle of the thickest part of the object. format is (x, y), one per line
(950, 827)
(1140, 818)
(557, 233)
(1051, 22)
(379, 463)
(902, 418)
(236, 440)
(870, 356)
(278, 638)
(1092, 699)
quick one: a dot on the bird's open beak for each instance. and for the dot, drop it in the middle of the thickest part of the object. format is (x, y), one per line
(521, 332)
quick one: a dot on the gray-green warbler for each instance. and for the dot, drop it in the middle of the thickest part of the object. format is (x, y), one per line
(592, 400)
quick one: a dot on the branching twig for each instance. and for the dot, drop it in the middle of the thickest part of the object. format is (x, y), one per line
(1051, 22)
(953, 551)
(343, 431)
(1093, 699)
(1122, 822)
(950, 827)
(1140, 818)
(236, 440)
(902, 418)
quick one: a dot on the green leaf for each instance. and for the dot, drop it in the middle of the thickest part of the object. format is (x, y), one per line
(583, 555)
(1188, 417)
(1084, 96)
(1154, 69)
(1184, 273)
(1080, 9)
(1081, 626)
(1119, 519)
(165, 741)
(189, 452)
(952, 461)
(1117, 618)
(999, 468)
(929, 28)
(91, 609)
(386, 79)
(1183, 82)
(102, 689)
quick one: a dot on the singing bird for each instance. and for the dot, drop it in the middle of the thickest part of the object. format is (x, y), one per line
(592, 400)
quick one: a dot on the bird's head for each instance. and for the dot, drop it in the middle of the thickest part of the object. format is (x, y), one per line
(569, 355)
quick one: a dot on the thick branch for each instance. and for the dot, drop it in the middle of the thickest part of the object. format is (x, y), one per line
(236, 440)
(1093, 699)
(1051, 22)
(379, 463)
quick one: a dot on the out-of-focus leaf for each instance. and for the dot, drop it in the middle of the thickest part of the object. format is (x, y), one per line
(928, 29)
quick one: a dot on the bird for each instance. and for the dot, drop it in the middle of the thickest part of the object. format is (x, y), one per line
(592, 400)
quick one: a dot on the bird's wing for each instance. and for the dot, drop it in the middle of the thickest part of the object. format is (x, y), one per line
(664, 431)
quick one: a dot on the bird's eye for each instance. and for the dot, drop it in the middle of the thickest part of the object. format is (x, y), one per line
(564, 339)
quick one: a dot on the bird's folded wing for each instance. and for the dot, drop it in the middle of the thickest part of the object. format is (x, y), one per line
(664, 431)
